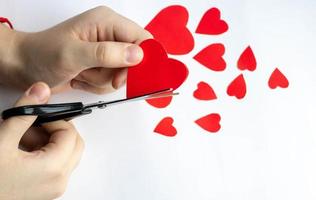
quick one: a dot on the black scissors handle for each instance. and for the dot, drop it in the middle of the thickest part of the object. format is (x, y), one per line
(48, 112)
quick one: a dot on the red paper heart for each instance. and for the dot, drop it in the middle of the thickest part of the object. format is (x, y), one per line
(204, 92)
(160, 102)
(247, 60)
(237, 87)
(277, 79)
(210, 123)
(166, 128)
(211, 23)
(211, 57)
(169, 28)
(156, 72)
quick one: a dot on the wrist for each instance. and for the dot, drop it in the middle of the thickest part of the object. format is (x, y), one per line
(10, 55)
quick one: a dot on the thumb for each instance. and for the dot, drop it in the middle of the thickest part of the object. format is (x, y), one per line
(14, 128)
(108, 54)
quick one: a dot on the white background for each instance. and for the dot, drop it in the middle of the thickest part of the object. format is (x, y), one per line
(266, 148)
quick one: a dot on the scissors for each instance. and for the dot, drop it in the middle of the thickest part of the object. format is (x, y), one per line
(67, 111)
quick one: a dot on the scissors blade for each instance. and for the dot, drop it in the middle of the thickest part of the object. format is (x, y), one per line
(153, 95)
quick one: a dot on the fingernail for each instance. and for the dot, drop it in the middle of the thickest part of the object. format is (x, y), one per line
(39, 91)
(134, 54)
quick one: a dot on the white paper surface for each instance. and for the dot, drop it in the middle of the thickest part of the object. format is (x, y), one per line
(266, 148)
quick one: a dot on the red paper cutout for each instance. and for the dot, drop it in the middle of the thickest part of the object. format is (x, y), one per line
(237, 87)
(277, 79)
(165, 127)
(211, 57)
(247, 60)
(169, 28)
(211, 23)
(6, 21)
(204, 92)
(156, 71)
(160, 102)
(210, 123)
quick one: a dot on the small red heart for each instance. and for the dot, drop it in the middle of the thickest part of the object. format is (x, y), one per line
(156, 72)
(166, 128)
(211, 23)
(160, 102)
(169, 28)
(277, 79)
(210, 123)
(247, 60)
(237, 87)
(204, 92)
(211, 57)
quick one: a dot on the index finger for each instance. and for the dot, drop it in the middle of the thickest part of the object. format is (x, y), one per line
(62, 140)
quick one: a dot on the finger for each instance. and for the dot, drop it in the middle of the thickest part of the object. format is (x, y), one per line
(82, 85)
(101, 77)
(76, 155)
(119, 78)
(106, 54)
(34, 139)
(98, 77)
(62, 141)
(14, 128)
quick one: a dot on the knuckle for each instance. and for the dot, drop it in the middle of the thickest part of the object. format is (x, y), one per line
(102, 53)
(103, 8)
(100, 12)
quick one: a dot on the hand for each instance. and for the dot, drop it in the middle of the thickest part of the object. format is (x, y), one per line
(89, 52)
(41, 173)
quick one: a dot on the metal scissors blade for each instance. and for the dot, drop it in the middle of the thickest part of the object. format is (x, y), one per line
(153, 95)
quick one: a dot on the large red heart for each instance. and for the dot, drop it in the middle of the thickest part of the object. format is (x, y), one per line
(210, 123)
(166, 128)
(277, 79)
(204, 92)
(237, 87)
(247, 60)
(169, 28)
(156, 72)
(211, 23)
(211, 57)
